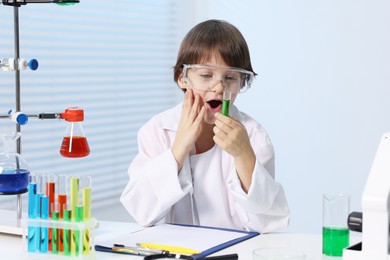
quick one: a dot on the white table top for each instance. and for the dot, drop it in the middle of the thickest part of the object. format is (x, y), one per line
(11, 246)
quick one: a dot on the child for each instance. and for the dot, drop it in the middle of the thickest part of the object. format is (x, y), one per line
(197, 166)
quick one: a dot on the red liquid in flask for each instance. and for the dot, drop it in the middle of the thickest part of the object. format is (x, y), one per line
(74, 147)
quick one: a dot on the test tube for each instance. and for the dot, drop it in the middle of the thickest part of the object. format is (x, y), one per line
(76, 239)
(41, 180)
(44, 230)
(66, 233)
(85, 185)
(74, 200)
(32, 231)
(50, 193)
(37, 212)
(62, 205)
(227, 95)
(55, 215)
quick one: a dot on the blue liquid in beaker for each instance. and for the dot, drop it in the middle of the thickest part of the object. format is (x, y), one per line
(14, 181)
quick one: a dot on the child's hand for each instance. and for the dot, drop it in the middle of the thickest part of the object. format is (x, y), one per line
(190, 126)
(232, 137)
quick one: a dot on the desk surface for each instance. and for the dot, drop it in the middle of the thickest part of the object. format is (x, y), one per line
(11, 245)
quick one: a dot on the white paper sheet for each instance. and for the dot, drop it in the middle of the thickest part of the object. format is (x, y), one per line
(197, 238)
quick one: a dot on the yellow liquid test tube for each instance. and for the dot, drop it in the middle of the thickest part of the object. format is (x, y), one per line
(74, 200)
(87, 216)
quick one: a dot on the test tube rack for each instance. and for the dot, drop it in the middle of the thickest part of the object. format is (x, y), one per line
(55, 226)
(376, 209)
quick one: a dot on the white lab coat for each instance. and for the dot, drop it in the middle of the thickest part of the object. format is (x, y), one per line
(207, 190)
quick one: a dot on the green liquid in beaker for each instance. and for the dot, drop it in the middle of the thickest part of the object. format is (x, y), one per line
(334, 240)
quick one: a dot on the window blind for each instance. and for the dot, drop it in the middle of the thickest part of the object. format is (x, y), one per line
(111, 58)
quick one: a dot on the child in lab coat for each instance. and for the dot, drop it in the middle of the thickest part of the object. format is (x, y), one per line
(197, 166)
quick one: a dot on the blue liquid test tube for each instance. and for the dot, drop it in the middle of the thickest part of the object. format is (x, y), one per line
(32, 231)
(44, 230)
(37, 213)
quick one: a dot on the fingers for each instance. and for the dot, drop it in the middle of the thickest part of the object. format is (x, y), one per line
(225, 124)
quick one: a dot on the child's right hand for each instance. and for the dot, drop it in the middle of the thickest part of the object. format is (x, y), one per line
(190, 126)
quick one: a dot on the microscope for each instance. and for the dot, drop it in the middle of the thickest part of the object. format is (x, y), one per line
(373, 222)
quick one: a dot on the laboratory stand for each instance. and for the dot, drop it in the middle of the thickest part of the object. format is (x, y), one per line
(16, 65)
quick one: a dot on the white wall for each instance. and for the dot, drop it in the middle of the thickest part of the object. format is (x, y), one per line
(322, 92)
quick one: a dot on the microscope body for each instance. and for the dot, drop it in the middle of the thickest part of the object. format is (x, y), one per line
(376, 208)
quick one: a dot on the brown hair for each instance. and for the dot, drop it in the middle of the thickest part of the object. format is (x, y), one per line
(209, 37)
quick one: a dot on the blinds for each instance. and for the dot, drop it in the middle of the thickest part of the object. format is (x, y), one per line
(113, 59)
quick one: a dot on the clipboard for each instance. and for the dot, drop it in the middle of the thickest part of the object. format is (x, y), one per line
(205, 239)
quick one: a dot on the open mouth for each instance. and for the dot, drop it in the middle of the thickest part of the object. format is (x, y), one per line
(215, 105)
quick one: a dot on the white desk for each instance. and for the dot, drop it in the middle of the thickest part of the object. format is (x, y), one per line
(11, 245)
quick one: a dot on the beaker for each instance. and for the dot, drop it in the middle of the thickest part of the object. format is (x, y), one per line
(74, 144)
(335, 231)
(14, 171)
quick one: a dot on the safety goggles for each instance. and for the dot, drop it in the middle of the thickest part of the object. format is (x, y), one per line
(205, 78)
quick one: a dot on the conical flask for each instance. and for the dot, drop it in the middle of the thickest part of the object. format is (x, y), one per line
(14, 171)
(74, 144)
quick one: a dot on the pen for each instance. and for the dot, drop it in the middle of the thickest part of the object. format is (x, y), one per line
(171, 249)
(135, 250)
(222, 257)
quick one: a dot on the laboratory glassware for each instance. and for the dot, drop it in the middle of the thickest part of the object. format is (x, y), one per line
(74, 143)
(335, 231)
(14, 171)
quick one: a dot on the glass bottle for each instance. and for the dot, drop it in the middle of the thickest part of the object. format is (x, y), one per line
(14, 171)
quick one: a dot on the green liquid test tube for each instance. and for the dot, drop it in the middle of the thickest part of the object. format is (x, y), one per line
(55, 215)
(226, 103)
(66, 232)
(77, 234)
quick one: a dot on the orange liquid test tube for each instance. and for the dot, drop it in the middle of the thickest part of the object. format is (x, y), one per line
(62, 206)
(50, 193)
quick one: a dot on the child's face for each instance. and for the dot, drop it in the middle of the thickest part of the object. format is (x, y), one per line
(212, 99)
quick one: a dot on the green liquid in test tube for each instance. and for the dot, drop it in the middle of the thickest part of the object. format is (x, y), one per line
(66, 232)
(226, 102)
(55, 234)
